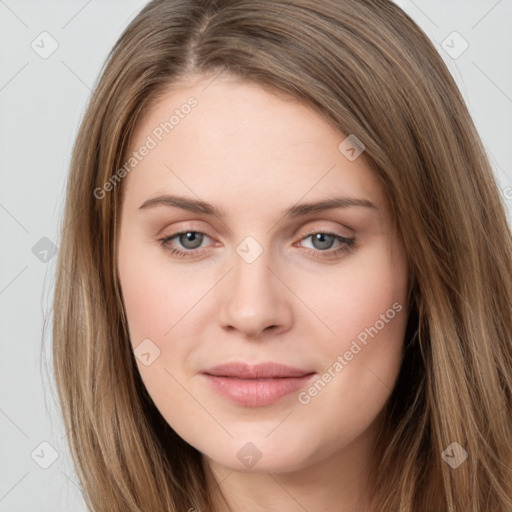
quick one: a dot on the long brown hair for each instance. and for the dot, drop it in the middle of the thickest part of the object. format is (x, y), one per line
(368, 68)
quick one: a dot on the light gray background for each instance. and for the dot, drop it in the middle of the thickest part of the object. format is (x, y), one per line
(41, 103)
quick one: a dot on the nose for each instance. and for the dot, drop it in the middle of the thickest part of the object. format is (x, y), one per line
(255, 298)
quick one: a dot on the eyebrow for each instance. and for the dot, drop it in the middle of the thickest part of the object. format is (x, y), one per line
(204, 208)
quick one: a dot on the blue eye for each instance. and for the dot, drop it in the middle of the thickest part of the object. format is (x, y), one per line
(322, 243)
(323, 240)
(188, 239)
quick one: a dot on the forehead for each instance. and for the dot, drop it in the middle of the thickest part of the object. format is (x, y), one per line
(231, 139)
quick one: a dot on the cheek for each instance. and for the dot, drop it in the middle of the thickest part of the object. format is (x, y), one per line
(158, 300)
(157, 296)
(366, 312)
(351, 297)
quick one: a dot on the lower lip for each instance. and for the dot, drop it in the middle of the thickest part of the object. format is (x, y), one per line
(257, 392)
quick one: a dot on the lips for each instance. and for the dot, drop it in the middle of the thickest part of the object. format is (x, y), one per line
(258, 371)
(256, 385)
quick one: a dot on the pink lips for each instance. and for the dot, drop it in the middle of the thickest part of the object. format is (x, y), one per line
(256, 385)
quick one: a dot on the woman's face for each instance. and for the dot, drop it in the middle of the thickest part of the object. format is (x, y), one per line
(262, 278)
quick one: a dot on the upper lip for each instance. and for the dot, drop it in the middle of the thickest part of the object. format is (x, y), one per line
(243, 370)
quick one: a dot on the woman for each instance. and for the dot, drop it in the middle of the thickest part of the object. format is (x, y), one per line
(338, 335)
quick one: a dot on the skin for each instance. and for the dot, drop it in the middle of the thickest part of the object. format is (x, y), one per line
(254, 154)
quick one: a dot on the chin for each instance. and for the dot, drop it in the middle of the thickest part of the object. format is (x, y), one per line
(259, 456)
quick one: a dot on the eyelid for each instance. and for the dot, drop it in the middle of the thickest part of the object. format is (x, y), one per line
(325, 232)
(321, 227)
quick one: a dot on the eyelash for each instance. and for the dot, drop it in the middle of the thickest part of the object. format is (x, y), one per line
(348, 244)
